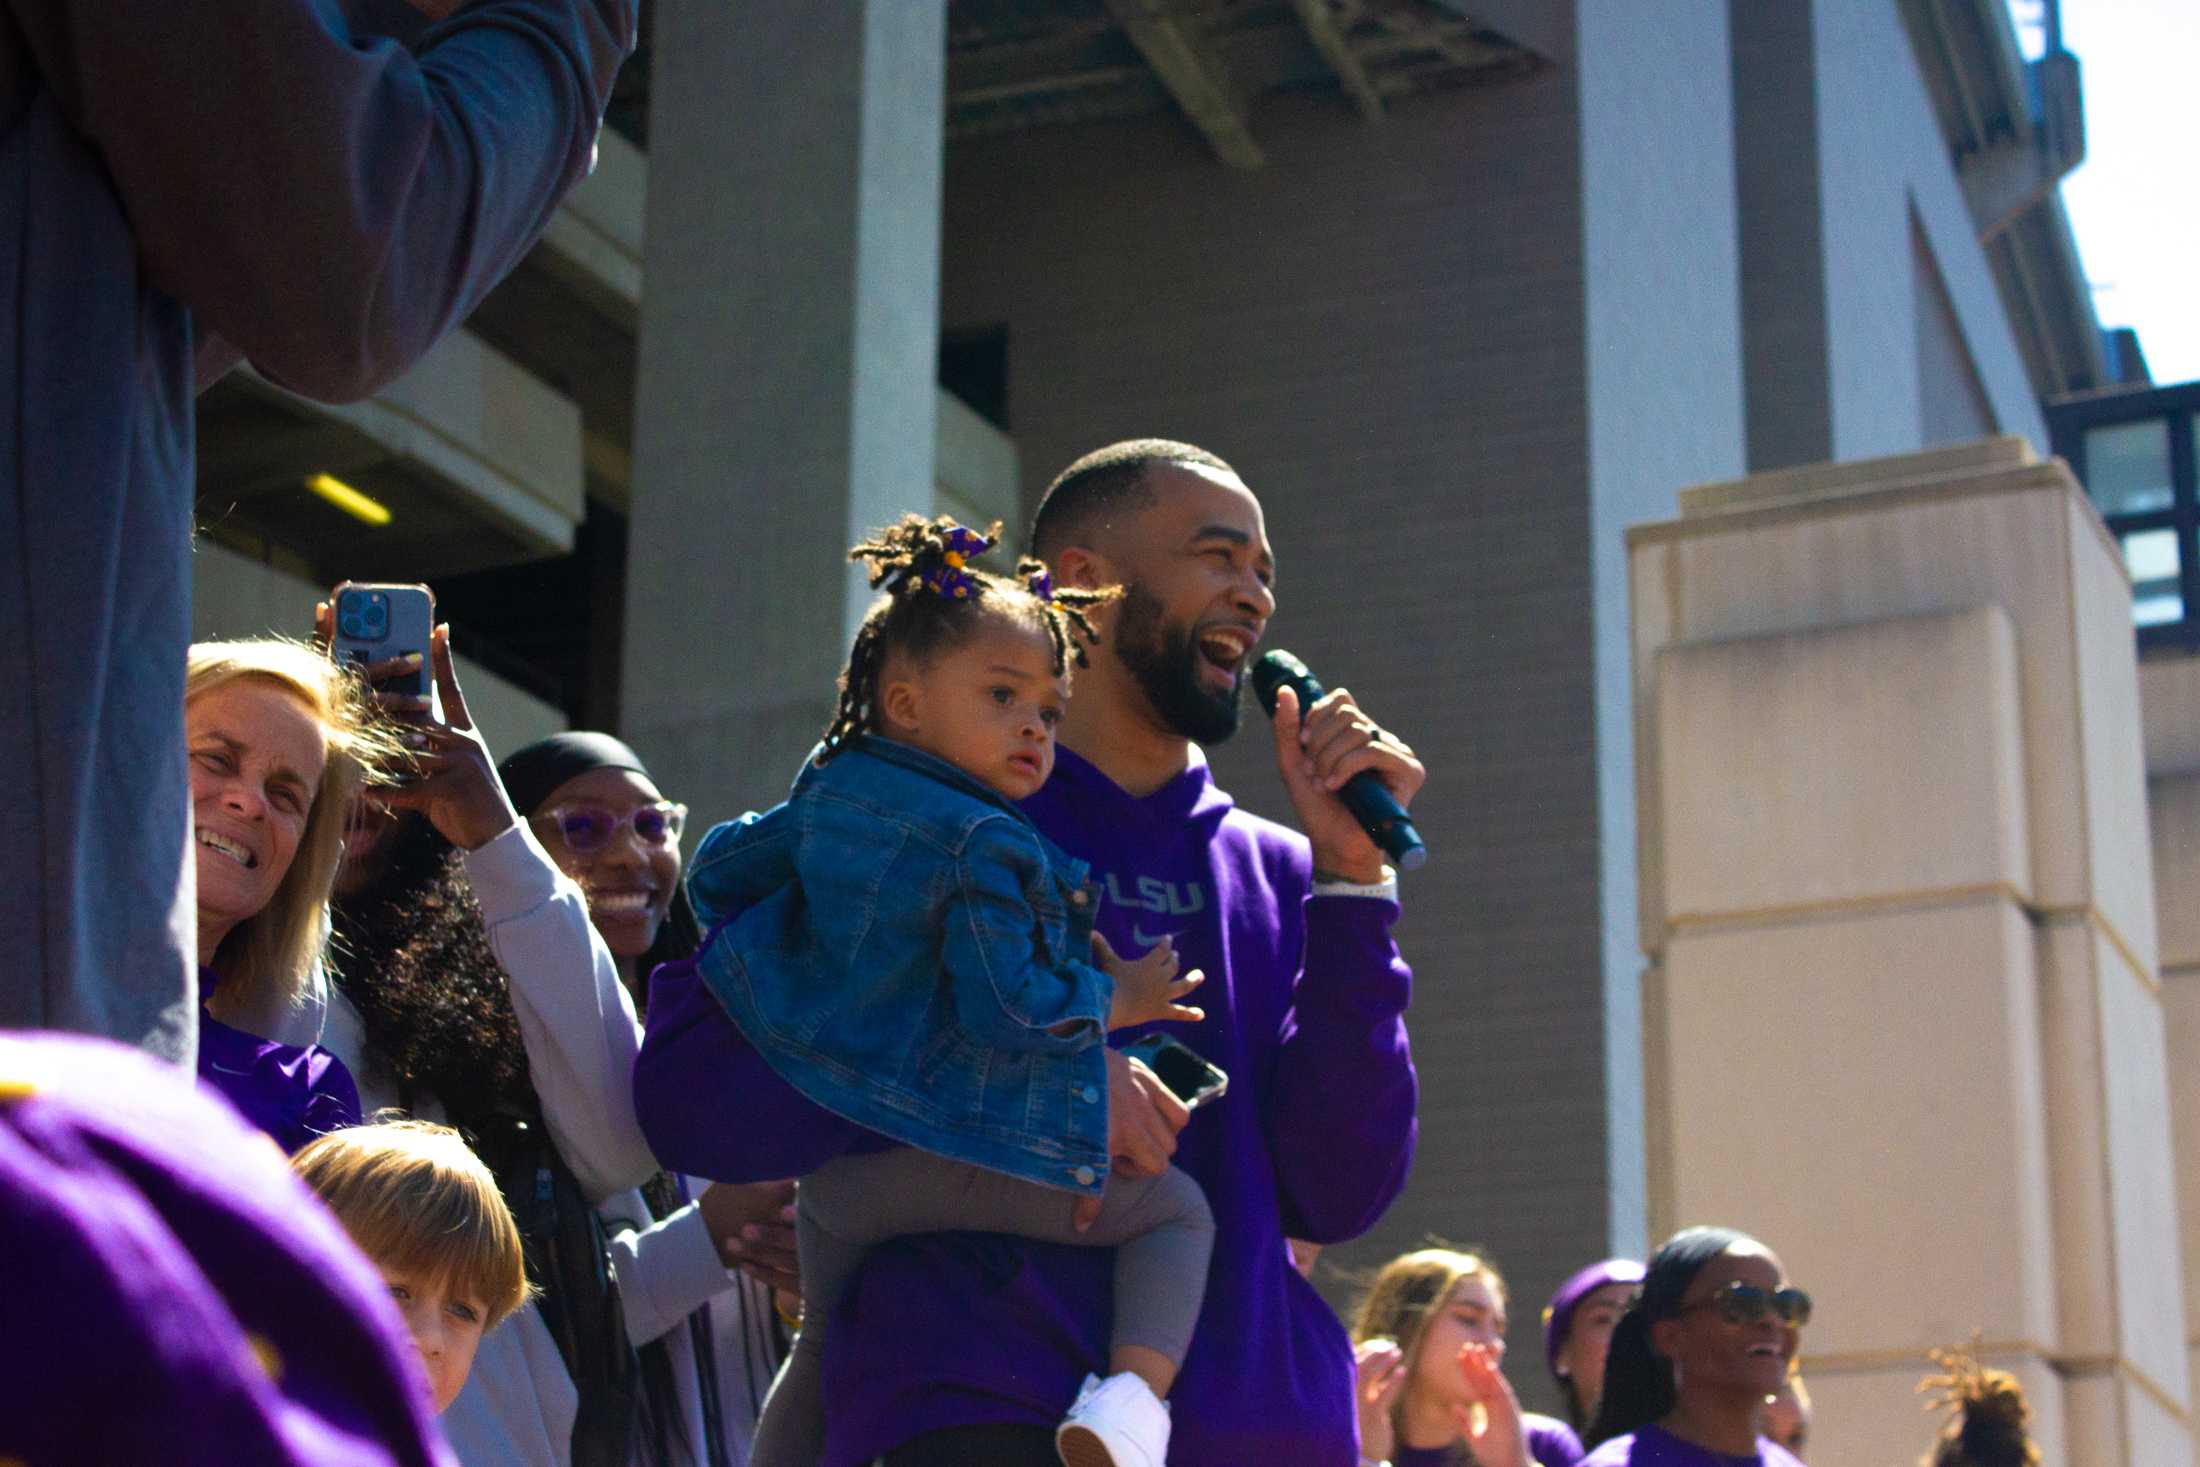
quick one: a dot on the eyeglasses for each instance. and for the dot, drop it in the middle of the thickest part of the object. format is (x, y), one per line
(589, 828)
(1746, 1304)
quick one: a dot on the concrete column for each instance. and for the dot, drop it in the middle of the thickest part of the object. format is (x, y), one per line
(2170, 689)
(784, 392)
(1904, 1019)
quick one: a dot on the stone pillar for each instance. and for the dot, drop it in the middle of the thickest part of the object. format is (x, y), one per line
(1903, 1019)
(785, 398)
(2169, 685)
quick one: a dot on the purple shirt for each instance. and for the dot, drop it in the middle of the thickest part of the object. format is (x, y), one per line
(971, 1329)
(1653, 1446)
(292, 1092)
(171, 1293)
(1551, 1443)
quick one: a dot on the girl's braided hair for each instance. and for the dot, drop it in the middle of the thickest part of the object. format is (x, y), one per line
(934, 598)
(1991, 1414)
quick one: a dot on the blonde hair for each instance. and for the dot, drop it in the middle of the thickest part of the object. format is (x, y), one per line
(271, 953)
(417, 1201)
(1406, 1295)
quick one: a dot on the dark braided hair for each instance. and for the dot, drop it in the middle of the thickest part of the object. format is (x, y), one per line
(934, 600)
(1638, 1381)
(1991, 1414)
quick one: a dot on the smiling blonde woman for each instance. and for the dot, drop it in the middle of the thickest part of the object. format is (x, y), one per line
(279, 740)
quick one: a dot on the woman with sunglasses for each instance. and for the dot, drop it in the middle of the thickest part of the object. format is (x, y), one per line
(1708, 1338)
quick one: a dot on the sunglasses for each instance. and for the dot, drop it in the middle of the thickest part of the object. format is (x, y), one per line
(588, 828)
(1746, 1304)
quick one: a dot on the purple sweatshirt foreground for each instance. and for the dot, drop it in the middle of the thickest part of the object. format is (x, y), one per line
(1313, 1140)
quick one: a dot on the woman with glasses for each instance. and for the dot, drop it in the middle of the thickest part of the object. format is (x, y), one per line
(594, 809)
(1707, 1339)
(609, 828)
(1430, 1338)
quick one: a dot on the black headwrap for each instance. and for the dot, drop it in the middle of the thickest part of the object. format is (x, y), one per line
(533, 772)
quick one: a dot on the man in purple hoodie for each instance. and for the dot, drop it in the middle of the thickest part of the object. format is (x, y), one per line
(327, 204)
(966, 1348)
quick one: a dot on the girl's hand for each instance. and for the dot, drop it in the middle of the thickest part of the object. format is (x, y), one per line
(453, 780)
(1380, 1368)
(1147, 989)
(1492, 1425)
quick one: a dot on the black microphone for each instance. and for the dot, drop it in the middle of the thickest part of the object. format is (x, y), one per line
(1367, 797)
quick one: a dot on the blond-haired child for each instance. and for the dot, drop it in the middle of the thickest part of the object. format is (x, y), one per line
(428, 1215)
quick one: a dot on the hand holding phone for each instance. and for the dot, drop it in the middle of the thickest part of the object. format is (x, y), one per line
(451, 777)
(1189, 1076)
(383, 630)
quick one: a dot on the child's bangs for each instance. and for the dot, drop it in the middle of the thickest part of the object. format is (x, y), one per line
(447, 1234)
(419, 1203)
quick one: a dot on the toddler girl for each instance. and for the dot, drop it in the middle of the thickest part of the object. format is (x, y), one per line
(907, 950)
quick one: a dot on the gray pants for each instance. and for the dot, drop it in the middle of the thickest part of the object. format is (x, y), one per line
(1160, 1228)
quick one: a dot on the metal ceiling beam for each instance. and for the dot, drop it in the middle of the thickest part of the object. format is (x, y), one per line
(1192, 77)
(1329, 39)
(1449, 39)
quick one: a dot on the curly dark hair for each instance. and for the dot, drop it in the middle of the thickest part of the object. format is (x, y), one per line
(413, 956)
(1988, 1428)
(917, 620)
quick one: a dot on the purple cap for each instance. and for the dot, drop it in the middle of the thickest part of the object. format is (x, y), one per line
(1558, 1315)
(171, 1293)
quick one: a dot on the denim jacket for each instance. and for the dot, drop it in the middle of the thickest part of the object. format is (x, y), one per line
(905, 948)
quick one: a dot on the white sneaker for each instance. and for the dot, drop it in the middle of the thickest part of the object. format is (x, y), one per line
(1117, 1422)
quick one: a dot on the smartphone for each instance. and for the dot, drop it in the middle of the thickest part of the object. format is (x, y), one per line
(376, 621)
(1187, 1074)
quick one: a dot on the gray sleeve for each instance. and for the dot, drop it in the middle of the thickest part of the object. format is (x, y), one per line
(331, 206)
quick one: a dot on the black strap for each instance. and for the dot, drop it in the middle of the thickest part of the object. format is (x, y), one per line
(569, 1260)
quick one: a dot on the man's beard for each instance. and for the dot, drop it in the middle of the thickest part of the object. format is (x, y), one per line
(1167, 663)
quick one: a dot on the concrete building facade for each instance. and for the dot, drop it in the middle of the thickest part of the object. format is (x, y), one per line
(1465, 291)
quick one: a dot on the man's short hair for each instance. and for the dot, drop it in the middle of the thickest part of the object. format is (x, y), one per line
(1105, 484)
(417, 1201)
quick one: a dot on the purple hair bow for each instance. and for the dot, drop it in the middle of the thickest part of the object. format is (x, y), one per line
(946, 575)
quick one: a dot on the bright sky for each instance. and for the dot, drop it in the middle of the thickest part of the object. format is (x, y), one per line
(2135, 202)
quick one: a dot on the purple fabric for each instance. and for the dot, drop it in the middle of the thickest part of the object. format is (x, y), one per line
(292, 1092)
(1558, 1315)
(696, 1068)
(973, 1329)
(1654, 1447)
(1551, 1443)
(171, 1293)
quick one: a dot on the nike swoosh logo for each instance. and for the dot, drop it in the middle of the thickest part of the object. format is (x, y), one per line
(1146, 939)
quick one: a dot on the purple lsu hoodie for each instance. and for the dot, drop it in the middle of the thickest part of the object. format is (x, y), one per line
(1305, 1000)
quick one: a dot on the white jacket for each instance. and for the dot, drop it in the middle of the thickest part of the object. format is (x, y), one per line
(579, 1028)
